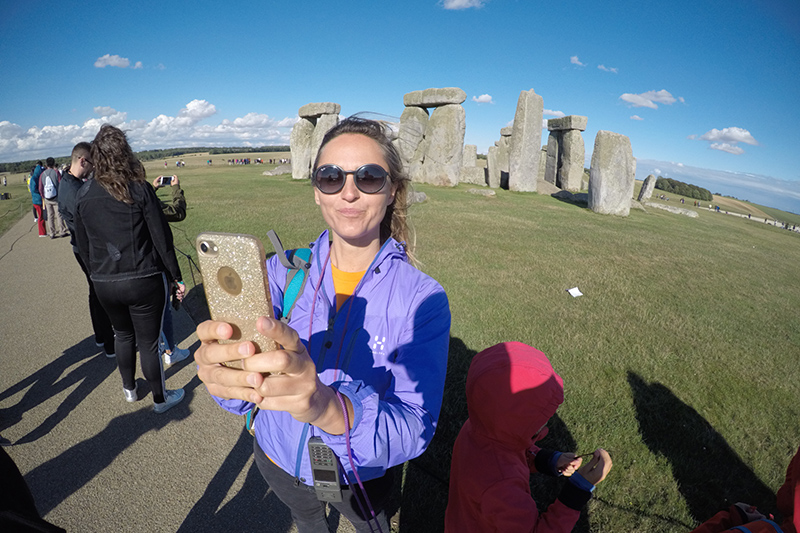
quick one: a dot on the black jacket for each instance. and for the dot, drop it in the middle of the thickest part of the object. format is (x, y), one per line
(67, 197)
(119, 241)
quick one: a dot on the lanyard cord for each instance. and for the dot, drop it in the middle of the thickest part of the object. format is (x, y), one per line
(341, 400)
(355, 472)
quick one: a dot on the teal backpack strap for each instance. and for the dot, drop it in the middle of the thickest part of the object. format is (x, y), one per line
(297, 264)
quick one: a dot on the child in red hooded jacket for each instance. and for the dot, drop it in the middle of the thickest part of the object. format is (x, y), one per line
(743, 517)
(512, 391)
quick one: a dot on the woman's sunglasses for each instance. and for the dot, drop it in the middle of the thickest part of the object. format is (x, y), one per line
(369, 179)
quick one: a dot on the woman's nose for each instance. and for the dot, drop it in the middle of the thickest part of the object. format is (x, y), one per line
(350, 192)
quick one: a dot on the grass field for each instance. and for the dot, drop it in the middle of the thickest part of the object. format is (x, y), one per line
(682, 358)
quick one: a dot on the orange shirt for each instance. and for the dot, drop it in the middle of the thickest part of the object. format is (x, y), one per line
(344, 283)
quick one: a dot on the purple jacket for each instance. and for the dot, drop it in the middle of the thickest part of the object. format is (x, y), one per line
(386, 350)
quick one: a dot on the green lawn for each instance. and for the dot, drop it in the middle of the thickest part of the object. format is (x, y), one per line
(682, 358)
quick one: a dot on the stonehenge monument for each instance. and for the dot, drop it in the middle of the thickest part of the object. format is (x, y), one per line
(565, 152)
(613, 172)
(432, 145)
(315, 121)
(647, 188)
(430, 141)
(526, 137)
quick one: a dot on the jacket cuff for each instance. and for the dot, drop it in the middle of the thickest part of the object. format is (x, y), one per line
(574, 497)
(545, 462)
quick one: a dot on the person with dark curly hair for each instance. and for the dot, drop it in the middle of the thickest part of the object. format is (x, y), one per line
(126, 243)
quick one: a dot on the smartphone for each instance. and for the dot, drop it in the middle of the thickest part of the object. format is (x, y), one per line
(164, 180)
(234, 272)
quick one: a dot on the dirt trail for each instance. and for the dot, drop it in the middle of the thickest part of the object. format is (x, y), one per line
(739, 206)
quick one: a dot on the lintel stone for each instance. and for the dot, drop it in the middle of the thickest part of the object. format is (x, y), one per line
(570, 122)
(317, 109)
(434, 97)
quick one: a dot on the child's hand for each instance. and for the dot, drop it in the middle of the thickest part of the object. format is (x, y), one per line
(597, 468)
(750, 512)
(568, 463)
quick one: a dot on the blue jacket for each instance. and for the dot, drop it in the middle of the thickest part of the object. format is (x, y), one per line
(34, 185)
(390, 339)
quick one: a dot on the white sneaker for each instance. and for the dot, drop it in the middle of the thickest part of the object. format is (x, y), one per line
(171, 399)
(175, 356)
(131, 395)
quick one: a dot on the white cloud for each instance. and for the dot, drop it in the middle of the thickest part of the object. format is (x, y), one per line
(184, 129)
(608, 69)
(462, 4)
(483, 99)
(557, 114)
(575, 61)
(161, 66)
(138, 65)
(636, 117)
(727, 147)
(112, 61)
(730, 135)
(649, 99)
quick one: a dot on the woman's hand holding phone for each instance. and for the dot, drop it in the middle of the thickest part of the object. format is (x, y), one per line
(280, 380)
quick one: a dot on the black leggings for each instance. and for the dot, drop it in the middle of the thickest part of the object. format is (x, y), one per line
(136, 307)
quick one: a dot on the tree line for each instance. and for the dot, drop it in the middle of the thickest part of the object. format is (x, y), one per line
(684, 189)
(148, 155)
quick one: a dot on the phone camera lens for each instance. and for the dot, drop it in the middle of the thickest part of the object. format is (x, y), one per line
(203, 247)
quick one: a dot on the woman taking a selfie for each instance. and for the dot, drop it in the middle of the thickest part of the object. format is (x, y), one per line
(126, 243)
(365, 351)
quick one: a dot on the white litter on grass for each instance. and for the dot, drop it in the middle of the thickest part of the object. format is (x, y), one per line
(574, 292)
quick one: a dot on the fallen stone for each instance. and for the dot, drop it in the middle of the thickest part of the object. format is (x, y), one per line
(547, 188)
(580, 198)
(434, 97)
(280, 169)
(317, 109)
(482, 192)
(612, 174)
(677, 210)
(473, 175)
(570, 122)
(416, 197)
(647, 188)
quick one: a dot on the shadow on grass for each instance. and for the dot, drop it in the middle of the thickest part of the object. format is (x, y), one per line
(710, 475)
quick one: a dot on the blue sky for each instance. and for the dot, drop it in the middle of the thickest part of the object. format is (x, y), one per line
(708, 87)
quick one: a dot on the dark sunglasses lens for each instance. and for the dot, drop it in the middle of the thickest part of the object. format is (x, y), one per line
(329, 179)
(370, 178)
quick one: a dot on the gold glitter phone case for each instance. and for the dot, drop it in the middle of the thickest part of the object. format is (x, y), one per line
(235, 280)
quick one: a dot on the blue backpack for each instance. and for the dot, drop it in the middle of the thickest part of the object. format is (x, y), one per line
(297, 263)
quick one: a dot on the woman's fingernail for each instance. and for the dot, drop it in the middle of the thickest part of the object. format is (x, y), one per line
(251, 380)
(242, 349)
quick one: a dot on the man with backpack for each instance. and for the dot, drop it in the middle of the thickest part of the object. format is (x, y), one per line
(48, 188)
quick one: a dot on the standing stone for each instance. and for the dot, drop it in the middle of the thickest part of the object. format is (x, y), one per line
(551, 166)
(612, 174)
(444, 139)
(324, 123)
(502, 160)
(542, 165)
(470, 158)
(572, 154)
(647, 188)
(493, 166)
(525, 141)
(300, 146)
(413, 123)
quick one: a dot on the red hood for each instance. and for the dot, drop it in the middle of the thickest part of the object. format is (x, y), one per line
(512, 391)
